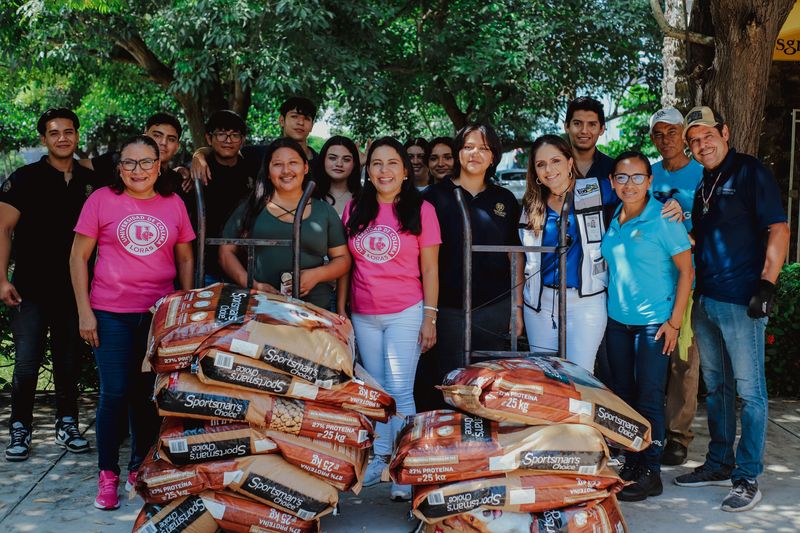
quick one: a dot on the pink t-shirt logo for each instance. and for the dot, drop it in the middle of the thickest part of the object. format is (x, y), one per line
(142, 234)
(377, 244)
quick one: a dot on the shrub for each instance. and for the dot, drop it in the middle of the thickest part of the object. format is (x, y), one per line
(782, 358)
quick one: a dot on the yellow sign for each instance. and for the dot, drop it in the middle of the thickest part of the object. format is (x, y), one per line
(787, 45)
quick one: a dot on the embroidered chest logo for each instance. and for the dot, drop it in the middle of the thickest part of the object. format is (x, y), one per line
(88, 190)
(377, 244)
(142, 234)
(500, 210)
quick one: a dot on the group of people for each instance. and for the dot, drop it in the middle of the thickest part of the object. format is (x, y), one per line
(382, 240)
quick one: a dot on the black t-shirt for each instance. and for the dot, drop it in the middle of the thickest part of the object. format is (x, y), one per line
(49, 208)
(228, 188)
(743, 200)
(494, 214)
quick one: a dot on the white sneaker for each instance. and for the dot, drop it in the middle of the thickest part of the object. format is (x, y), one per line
(401, 493)
(375, 468)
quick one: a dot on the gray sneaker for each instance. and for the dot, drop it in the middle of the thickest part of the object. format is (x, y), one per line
(704, 476)
(743, 496)
(69, 436)
(401, 493)
(375, 468)
(20, 445)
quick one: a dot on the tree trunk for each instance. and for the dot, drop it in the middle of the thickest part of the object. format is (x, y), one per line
(735, 83)
(675, 85)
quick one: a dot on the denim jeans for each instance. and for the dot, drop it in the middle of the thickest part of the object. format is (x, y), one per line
(126, 393)
(639, 377)
(732, 359)
(389, 351)
(30, 322)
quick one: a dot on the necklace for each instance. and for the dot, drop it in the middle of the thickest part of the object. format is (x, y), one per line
(707, 199)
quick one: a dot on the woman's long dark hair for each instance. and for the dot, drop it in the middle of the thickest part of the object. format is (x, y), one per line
(407, 206)
(264, 189)
(324, 180)
(162, 186)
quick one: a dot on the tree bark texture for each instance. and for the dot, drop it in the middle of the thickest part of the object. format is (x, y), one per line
(675, 85)
(735, 81)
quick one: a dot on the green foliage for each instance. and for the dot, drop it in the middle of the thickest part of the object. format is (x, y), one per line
(635, 108)
(782, 358)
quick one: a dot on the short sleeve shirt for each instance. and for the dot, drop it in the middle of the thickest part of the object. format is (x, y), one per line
(386, 261)
(135, 248)
(494, 215)
(679, 185)
(320, 231)
(49, 207)
(731, 237)
(642, 276)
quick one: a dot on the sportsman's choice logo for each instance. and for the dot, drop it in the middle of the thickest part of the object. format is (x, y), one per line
(142, 234)
(377, 244)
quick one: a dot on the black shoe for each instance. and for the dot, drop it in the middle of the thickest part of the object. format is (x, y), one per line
(647, 484)
(20, 445)
(703, 476)
(743, 496)
(629, 472)
(674, 454)
(69, 436)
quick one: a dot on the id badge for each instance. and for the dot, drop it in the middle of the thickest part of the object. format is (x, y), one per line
(594, 232)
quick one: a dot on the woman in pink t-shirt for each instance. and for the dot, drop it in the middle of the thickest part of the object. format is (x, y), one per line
(143, 239)
(393, 236)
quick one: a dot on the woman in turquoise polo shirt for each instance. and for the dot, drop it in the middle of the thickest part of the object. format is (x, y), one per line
(650, 277)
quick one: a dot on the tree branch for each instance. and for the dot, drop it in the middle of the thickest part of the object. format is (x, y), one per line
(137, 48)
(675, 33)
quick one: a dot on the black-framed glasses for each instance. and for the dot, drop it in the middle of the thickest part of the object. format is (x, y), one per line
(637, 179)
(222, 136)
(144, 164)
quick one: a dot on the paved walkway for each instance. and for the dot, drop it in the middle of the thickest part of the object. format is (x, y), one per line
(53, 491)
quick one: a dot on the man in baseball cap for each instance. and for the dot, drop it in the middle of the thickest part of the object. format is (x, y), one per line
(741, 238)
(675, 178)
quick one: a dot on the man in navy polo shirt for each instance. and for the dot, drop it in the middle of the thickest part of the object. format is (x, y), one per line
(39, 206)
(741, 238)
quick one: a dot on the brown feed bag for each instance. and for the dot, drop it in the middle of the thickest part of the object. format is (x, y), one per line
(545, 390)
(235, 514)
(187, 514)
(182, 394)
(445, 446)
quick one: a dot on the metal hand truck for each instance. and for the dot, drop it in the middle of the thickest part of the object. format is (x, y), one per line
(251, 244)
(469, 248)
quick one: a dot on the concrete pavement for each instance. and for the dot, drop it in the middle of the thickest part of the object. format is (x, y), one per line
(53, 491)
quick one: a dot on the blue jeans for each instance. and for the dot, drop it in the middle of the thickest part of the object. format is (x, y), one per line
(731, 348)
(126, 393)
(639, 377)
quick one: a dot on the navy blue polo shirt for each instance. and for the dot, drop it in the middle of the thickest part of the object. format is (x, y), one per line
(494, 216)
(49, 208)
(731, 237)
(601, 168)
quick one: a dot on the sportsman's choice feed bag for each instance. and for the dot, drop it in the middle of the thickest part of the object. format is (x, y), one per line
(445, 446)
(270, 479)
(601, 517)
(159, 481)
(290, 335)
(187, 514)
(519, 491)
(184, 441)
(545, 390)
(361, 394)
(181, 394)
(235, 514)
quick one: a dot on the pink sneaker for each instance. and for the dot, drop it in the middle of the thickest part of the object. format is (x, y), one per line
(107, 498)
(131, 483)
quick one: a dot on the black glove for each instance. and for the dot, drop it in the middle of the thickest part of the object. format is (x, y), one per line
(761, 302)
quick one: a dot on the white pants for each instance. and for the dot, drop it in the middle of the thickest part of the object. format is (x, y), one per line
(586, 324)
(389, 351)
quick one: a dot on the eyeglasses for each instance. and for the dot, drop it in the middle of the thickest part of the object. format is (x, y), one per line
(144, 164)
(637, 179)
(221, 136)
(472, 148)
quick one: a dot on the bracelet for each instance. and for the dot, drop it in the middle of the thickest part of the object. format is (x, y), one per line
(673, 327)
(430, 308)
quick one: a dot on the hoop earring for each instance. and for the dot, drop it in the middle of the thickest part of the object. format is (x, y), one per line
(538, 181)
(569, 176)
